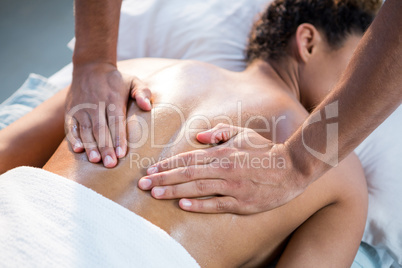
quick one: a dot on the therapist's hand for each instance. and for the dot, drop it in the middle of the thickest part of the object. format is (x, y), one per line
(246, 174)
(96, 108)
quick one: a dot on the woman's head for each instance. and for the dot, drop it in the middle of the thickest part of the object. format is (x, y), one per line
(336, 19)
(320, 35)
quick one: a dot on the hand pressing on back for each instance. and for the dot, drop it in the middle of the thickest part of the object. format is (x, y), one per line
(96, 109)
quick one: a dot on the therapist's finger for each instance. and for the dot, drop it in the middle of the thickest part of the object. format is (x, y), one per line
(141, 93)
(117, 126)
(178, 175)
(198, 188)
(224, 204)
(220, 133)
(73, 135)
(88, 140)
(103, 139)
(198, 157)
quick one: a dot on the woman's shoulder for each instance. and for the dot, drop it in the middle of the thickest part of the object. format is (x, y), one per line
(144, 67)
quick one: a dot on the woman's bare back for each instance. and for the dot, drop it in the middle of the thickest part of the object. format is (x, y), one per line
(189, 97)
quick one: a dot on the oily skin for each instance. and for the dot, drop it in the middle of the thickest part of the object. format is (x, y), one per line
(370, 88)
(366, 94)
(197, 89)
(308, 73)
(96, 79)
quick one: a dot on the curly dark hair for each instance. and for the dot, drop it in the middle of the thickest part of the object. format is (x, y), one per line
(335, 18)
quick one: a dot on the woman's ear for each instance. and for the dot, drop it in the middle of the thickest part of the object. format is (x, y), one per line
(307, 38)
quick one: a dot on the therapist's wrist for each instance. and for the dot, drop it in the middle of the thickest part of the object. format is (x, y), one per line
(88, 55)
(93, 67)
(304, 168)
(83, 62)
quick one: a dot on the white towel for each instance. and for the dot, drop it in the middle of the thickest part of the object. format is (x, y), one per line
(49, 221)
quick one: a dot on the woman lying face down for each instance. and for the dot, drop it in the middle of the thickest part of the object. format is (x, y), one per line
(297, 51)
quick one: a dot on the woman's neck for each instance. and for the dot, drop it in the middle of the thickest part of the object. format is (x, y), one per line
(284, 73)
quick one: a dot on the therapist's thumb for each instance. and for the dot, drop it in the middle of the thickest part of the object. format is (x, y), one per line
(220, 133)
(141, 93)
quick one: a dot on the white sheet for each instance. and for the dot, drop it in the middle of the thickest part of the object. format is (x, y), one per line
(49, 221)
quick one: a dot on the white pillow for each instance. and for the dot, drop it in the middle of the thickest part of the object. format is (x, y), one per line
(381, 157)
(206, 30)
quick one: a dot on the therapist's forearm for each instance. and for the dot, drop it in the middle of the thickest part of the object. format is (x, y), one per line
(368, 92)
(96, 31)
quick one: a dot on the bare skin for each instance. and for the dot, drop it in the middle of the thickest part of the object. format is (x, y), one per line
(96, 79)
(368, 92)
(325, 224)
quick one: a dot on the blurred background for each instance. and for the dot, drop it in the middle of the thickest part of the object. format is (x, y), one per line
(33, 38)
